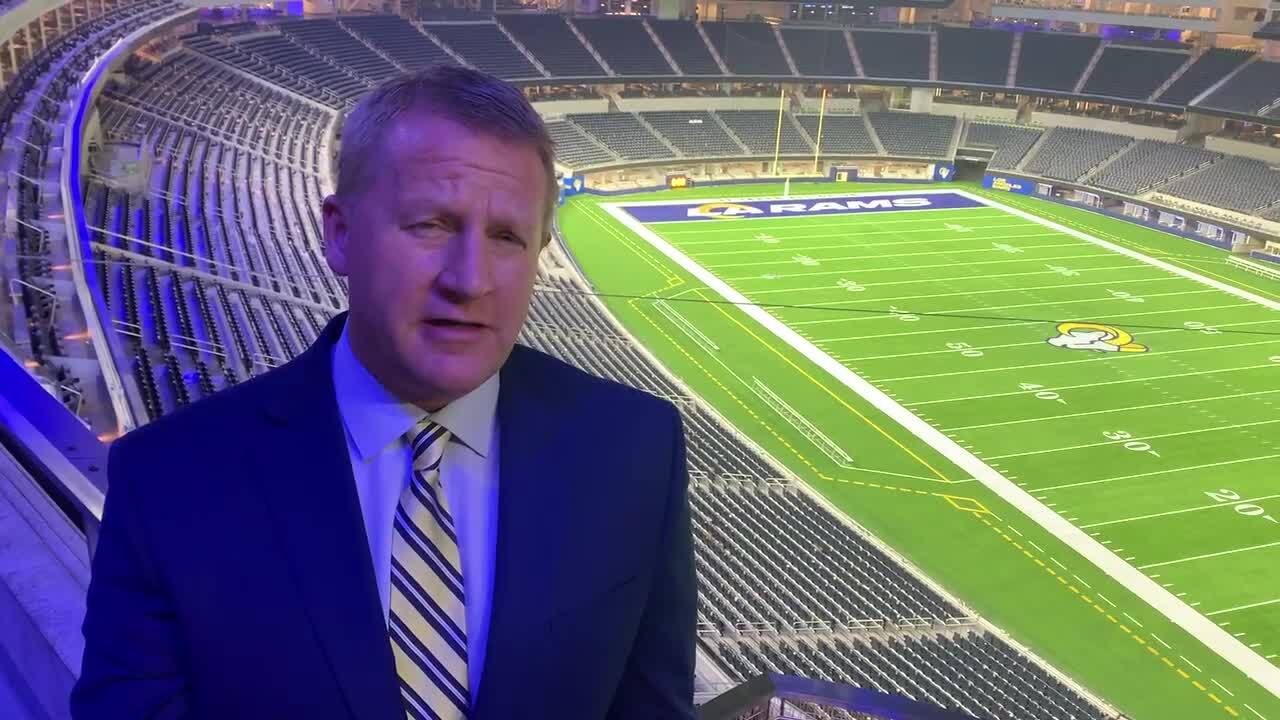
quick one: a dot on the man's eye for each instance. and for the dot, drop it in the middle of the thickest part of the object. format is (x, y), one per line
(512, 237)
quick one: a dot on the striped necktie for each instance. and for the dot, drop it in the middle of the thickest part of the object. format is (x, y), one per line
(428, 623)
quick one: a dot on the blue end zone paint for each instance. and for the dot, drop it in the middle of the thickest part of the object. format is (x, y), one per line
(834, 205)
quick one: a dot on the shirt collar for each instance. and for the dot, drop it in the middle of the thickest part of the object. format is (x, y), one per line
(375, 418)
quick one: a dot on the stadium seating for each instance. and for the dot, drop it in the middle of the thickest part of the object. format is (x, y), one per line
(841, 134)
(1208, 69)
(35, 109)
(747, 48)
(695, 133)
(1249, 90)
(1132, 73)
(191, 334)
(893, 54)
(276, 59)
(1011, 142)
(819, 53)
(397, 38)
(485, 47)
(1151, 163)
(624, 44)
(623, 134)
(968, 55)
(574, 148)
(1050, 61)
(758, 130)
(686, 46)
(914, 134)
(955, 670)
(1236, 183)
(331, 42)
(1069, 153)
(550, 41)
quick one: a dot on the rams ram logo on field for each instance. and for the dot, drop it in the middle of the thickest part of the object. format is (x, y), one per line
(725, 210)
(728, 210)
(1094, 336)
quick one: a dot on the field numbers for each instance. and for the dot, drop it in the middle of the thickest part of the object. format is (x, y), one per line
(903, 315)
(849, 285)
(1007, 248)
(1127, 297)
(1064, 272)
(1244, 508)
(805, 260)
(965, 349)
(767, 239)
(1041, 393)
(1206, 329)
(1274, 358)
(953, 227)
(1129, 443)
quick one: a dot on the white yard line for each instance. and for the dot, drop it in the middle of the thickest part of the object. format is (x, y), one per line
(987, 308)
(783, 247)
(1107, 411)
(1236, 461)
(1230, 649)
(898, 268)
(1096, 384)
(877, 336)
(1066, 285)
(877, 256)
(1093, 358)
(1210, 555)
(1176, 512)
(1144, 437)
(1135, 255)
(1243, 607)
(944, 280)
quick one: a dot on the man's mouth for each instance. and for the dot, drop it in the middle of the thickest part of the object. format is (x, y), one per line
(454, 323)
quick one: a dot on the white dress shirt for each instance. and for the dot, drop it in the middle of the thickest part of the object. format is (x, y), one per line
(376, 423)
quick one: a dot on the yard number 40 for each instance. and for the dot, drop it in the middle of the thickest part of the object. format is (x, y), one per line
(1244, 508)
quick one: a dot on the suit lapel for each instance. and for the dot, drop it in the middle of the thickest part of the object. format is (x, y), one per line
(310, 491)
(527, 571)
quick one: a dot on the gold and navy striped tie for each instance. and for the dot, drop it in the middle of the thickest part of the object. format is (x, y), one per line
(428, 622)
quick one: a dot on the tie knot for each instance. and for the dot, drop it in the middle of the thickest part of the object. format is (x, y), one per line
(426, 441)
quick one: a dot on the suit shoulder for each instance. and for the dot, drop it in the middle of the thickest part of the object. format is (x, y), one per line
(567, 378)
(226, 411)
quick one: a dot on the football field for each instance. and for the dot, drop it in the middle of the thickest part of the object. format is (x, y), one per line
(1105, 398)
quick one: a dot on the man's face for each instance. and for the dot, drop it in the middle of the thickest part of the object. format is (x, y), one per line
(440, 252)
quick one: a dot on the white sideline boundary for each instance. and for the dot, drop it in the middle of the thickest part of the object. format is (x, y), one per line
(1229, 648)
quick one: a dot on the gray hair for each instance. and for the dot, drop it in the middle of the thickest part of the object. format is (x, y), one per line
(473, 99)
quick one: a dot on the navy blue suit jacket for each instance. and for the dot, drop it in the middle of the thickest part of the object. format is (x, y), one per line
(232, 576)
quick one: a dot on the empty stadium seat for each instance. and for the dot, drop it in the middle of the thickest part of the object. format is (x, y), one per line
(914, 134)
(549, 39)
(747, 48)
(970, 55)
(625, 45)
(1069, 153)
(893, 54)
(1054, 61)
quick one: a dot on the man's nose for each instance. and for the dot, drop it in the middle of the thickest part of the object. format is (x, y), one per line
(466, 272)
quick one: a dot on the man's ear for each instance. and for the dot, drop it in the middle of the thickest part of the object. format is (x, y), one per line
(337, 233)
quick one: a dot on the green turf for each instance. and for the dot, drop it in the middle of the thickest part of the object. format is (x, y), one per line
(1126, 444)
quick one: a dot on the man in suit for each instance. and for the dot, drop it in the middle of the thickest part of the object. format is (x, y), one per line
(415, 517)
